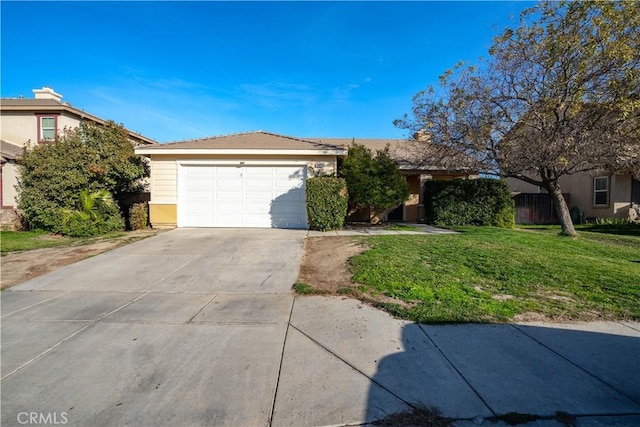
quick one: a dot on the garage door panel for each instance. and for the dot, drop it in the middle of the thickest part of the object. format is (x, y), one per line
(225, 195)
(249, 196)
(257, 196)
(263, 183)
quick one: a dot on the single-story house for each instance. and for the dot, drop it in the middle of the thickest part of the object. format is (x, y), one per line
(26, 122)
(257, 179)
(595, 195)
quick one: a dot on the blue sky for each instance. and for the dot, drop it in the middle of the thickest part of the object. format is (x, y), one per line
(182, 70)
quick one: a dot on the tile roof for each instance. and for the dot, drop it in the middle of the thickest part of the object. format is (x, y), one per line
(258, 140)
(31, 102)
(410, 154)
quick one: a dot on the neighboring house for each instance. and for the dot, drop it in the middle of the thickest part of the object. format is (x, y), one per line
(254, 179)
(9, 154)
(27, 122)
(596, 195)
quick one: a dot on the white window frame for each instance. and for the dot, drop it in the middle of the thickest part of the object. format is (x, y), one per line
(48, 128)
(605, 190)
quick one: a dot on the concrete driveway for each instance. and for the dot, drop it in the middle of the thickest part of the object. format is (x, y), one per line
(199, 328)
(185, 328)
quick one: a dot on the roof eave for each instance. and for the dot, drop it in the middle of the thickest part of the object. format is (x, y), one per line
(247, 151)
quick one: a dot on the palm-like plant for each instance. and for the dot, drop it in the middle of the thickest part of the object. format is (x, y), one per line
(91, 206)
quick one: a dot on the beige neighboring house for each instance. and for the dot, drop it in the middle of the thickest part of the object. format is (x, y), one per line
(254, 179)
(596, 195)
(27, 122)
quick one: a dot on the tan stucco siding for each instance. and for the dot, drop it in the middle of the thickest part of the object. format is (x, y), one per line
(20, 128)
(9, 182)
(66, 122)
(620, 195)
(164, 169)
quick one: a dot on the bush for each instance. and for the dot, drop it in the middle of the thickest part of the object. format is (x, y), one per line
(138, 216)
(327, 201)
(373, 180)
(469, 202)
(88, 158)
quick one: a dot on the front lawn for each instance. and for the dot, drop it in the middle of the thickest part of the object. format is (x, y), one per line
(488, 274)
(11, 241)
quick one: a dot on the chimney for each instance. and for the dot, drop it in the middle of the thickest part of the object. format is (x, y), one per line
(47, 93)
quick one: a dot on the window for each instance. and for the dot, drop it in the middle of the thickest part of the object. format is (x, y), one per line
(601, 191)
(47, 128)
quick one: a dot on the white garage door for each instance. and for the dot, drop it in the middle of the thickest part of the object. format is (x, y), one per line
(247, 196)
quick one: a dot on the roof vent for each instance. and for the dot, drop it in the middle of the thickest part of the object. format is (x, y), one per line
(47, 93)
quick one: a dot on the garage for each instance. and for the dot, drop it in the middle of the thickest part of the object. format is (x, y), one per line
(254, 179)
(242, 196)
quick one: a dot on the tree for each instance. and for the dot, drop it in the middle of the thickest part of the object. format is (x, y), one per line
(373, 181)
(88, 158)
(558, 95)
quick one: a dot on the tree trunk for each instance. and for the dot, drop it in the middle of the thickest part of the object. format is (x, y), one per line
(562, 210)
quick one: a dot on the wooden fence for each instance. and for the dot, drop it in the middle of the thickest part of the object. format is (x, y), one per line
(536, 208)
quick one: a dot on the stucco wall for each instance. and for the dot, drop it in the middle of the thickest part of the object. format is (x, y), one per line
(9, 181)
(20, 127)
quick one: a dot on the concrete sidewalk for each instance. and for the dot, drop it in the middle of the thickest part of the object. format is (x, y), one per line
(347, 363)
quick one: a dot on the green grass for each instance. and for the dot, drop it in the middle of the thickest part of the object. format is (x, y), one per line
(402, 227)
(487, 274)
(11, 241)
(304, 289)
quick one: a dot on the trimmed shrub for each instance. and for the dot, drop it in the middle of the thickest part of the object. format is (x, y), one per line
(327, 201)
(373, 180)
(138, 216)
(481, 201)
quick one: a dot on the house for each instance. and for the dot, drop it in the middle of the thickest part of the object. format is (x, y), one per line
(256, 179)
(26, 122)
(594, 195)
(419, 162)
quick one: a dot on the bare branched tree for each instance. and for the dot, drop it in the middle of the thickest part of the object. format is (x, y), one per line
(558, 95)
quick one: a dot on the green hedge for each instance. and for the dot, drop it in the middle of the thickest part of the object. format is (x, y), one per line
(469, 202)
(327, 200)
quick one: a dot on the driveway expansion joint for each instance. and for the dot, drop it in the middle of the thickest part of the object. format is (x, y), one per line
(284, 345)
(34, 304)
(575, 364)
(455, 368)
(373, 381)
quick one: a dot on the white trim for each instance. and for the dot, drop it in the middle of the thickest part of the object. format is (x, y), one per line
(606, 191)
(246, 151)
(241, 162)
